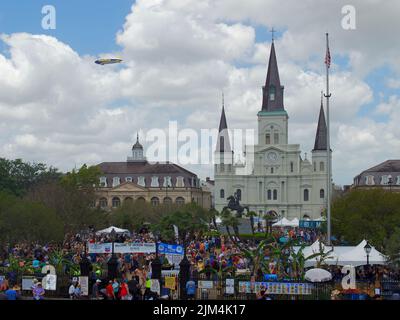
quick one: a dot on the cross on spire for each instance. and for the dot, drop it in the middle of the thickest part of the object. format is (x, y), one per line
(272, 32)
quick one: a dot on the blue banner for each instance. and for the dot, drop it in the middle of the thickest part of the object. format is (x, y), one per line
(165, 248)
(310, 224)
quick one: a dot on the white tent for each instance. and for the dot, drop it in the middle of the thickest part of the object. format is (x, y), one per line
(282, 223)
(117, 231)
(332, 257)
(358, 257)
(294, 223)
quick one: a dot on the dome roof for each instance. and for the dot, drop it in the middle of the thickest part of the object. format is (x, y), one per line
(137, 145)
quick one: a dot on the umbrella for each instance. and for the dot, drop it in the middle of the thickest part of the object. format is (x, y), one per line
(318, 275)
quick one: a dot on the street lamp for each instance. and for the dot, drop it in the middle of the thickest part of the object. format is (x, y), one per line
(367, 249)
(390, 182)
(113, 262)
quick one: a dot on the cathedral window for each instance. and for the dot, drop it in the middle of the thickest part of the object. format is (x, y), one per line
(222, 194)
(272, 93)
(291, 166)
(315, 166)
(276, 138)
(267, 138)
(239, 194)
(269, 194)
(322, 194)
(306, 195)
(272, 170)
(321, 166)
(275, 194)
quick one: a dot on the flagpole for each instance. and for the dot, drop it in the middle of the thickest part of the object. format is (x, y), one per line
(328, 144)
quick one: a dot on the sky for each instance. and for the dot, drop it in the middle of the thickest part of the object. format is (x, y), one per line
(58, 107)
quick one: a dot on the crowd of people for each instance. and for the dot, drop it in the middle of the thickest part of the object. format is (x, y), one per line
(208, 255)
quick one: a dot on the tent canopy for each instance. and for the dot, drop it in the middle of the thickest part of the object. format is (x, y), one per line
(117, 230)
(286, 223)
(358, 257)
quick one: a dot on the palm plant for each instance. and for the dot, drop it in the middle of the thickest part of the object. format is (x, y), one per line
(299, 261)
(59, 260)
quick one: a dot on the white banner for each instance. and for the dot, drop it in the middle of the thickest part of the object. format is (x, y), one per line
(134, 247)
(49, 282)
(84, 282)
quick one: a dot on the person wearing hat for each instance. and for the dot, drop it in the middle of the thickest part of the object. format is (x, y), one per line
(96, 290)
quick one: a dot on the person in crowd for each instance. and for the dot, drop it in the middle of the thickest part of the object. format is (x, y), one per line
(71, 290)
(190, 289)
(96, 290)
(110, 291)
(13, 293)
(124, 291)
(133, 286)
(38, 292)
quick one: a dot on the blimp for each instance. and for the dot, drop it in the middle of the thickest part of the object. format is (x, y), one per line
(107, 61)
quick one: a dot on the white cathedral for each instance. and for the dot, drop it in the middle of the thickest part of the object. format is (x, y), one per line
(274, 176)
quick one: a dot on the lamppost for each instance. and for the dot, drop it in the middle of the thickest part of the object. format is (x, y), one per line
(113, 262)
(367, 249)
(390, 182)
(85, 262)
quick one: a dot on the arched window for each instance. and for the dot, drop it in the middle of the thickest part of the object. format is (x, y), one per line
(128, 200)
(267, 138)
(167, 201)
(291, 166)
(222, 193)
(315, 166)
(239, 194)
(272, 93)
(306, 195)
(276, 138)
(155, 201)
(322, 193)
(306, 217)
(275, 194)
(180, 201)
(321, 166)
(141, 199)
(103, 203)
(116, 202)
(269, 194)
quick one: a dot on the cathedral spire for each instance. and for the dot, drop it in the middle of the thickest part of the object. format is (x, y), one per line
(272, 91)
(223, 144)
(320, 137)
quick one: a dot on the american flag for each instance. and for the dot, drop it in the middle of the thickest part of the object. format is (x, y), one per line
(328, 58)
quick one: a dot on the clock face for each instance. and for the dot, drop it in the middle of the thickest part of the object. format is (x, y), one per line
(272, 156)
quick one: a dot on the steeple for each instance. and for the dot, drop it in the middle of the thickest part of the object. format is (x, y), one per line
(223, 144)
(320, 137)
(272, 91)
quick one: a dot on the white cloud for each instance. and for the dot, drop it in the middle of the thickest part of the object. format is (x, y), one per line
(59, 107)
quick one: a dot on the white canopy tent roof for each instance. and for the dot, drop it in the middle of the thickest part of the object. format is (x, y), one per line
(109, 229)
(287, 223)
(358, 257)
(343, 255)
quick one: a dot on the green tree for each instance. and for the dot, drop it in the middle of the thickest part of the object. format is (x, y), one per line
(366, 214)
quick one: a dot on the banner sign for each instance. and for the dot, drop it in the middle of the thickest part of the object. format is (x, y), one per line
(49, 282)
(174, 259)
(170, 283)
(165, 248)
(134, 247)
(84, 282)
(276, 287)
(309, 224)
(205, 284)
(27, 283)
(230, 286)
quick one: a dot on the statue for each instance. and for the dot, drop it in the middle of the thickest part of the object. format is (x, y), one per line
(234, 205)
